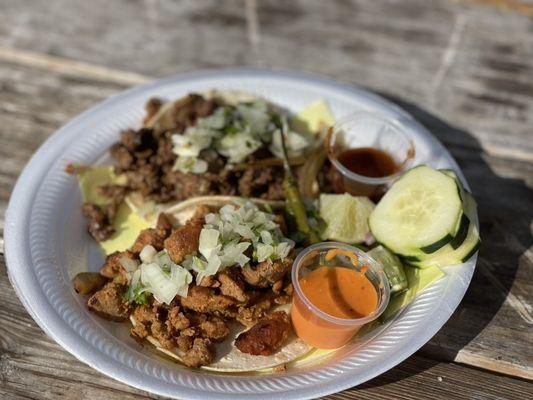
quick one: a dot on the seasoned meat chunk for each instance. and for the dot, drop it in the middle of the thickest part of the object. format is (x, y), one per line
(284, 296)
(99, 226)
(205, 300)
(232, 285)
(88, 282)
(109, 303)
(161, 333)
(152, 106)
(121, 153)
(153, 320)
(267, 272)
(164, 222)
(267, 336)
(189, 185)
(262, 182)
(184, 342)
(249, 315)
(177, 320)
(143, 317)
(149, 236)
(210, 281)
(184, 240)
(112, 267)
(201, 353)
(214, 328)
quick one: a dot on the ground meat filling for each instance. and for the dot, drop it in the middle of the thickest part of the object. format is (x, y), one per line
(99, 225)
(262, 182)
(232, 285)
(267, 336)
(146, 158)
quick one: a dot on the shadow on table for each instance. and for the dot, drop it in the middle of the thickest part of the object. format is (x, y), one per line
(505, 213)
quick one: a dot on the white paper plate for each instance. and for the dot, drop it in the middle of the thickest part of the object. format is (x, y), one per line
(47, 244)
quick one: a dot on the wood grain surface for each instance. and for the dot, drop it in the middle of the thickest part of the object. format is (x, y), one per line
(464, 69)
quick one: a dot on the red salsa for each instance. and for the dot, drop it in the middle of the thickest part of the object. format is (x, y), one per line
(368, 161)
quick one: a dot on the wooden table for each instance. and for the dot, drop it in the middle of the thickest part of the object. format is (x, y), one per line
(463, 68)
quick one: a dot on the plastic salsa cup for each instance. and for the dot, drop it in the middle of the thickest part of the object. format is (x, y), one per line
(316, 327)
(366, 129)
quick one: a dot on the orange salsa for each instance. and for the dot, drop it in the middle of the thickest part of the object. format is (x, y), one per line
(339, 292)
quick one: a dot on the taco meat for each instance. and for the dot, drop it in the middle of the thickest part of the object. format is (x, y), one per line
(109, 302)
(267, 336)
(113, 268)
(201, 353)
(206, 300)
(267, 272)
(149, 236)
(99, 225)
(184, 240)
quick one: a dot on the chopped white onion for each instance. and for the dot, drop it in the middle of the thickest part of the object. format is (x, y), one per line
(129, 264)
(162, 285)
(147, 254)
(229, 233)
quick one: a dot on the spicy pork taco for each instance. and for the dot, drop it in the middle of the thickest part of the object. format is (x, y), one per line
(211, 292)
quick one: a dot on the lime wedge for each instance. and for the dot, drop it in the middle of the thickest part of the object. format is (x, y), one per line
(314, 118)
(346, 217)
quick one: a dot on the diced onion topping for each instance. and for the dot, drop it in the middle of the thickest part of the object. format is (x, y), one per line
(234, 132)
(228, 234)
(160, 276)
(233, 236)
(129, 264)
(147, 254)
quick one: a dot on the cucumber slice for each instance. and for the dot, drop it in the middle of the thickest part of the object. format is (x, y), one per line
(452, 174)
(465, 221)
(449, 172)
(462, 232)
(418, 279)
(419, 214)
(450, 256)
(392, 266)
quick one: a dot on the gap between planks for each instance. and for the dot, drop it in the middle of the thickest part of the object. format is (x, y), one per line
(93, 71)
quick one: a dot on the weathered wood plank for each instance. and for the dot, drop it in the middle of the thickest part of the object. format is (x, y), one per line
(468, 64)
(467, 67)
(34, 367)
(484, 320)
